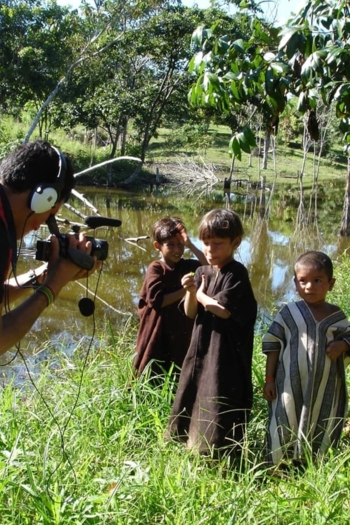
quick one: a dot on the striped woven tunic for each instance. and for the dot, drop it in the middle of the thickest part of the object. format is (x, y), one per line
(311, 396)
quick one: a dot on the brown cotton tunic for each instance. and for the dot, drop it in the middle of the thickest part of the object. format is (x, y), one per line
(214, 395)
(164, 333)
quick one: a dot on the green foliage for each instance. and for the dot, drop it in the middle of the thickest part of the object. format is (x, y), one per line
(190, 137)
(10, 136)
(309, 59)
(342, 275)
(243, 141)
(129, 89)
(235, 73)
(35, 51)
(87, 446)
(133, 69)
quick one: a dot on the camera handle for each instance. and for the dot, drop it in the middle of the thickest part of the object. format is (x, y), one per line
(79, 258)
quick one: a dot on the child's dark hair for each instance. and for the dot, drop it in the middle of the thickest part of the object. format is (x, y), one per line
(316, 260)
(166, 228)
(220, 223)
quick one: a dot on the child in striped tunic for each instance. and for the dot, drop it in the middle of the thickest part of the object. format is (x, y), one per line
(307, 350)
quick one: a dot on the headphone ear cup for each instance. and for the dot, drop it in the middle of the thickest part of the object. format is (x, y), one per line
(43, 199)
(45, 196)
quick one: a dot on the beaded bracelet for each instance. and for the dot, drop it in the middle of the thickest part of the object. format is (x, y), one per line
(46, 290)
(269, 379)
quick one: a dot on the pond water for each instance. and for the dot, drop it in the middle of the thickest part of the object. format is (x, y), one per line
(269, 249)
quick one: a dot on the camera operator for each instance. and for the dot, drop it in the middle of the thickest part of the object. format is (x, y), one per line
(35, 180)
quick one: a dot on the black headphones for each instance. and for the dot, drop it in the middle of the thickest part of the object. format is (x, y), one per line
(45, 195)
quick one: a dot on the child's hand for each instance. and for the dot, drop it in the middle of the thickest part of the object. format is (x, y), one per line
(187, 282)
(336, 348)
(182, 231)
(269, 391)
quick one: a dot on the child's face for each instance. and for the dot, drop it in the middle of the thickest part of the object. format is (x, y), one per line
(172, 249)
(312, 285)
(219, 250)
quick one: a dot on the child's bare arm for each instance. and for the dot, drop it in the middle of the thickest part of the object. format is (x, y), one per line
(172, 297)
(187, 282)
(189, 244)
(271, 367)
(210, 304)
(190, 303)
(154, 294)
(197, 252)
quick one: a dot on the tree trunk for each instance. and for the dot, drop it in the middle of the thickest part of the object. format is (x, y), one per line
(266, 149)
(345, 224)
(262, 197)
(114, 141)
(123, 138)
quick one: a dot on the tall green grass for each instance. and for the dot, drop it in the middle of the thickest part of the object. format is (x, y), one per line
(86, 446)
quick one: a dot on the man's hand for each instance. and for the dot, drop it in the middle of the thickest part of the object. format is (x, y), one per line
(61, 270)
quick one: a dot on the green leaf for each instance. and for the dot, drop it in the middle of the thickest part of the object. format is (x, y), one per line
(250, 137)
(313, 63)
(230, 76)
(196, 62)
(344, 125)
(242, 141)
(280, 67)
(287, 33)
(234, 148)
(302, 102)
(269, 57)
(343, 91)
(238, 45)
(236, 92)
(210, 82)
(199, 35)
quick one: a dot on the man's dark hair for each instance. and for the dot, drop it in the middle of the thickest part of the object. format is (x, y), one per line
(34, 163)
(166, 228)
(316, 260)
(220, 222)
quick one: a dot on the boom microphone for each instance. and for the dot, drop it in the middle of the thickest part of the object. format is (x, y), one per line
(96, 222)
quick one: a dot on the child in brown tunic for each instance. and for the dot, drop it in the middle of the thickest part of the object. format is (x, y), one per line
(165, 331)
(214, 395)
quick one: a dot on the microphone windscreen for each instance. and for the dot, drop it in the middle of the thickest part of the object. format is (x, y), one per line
(96, 221)
(86, 306)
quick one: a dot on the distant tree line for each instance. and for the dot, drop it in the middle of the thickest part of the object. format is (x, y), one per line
(123, 69)
(119, 66)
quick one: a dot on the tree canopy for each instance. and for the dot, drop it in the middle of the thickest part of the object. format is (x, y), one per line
(120, 62)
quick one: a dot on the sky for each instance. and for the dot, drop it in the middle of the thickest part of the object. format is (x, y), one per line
(284, 7)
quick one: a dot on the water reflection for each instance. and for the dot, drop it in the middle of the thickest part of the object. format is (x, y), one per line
(269, 250)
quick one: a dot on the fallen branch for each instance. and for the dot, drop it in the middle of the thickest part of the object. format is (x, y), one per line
(102, 301)
(134, 241)
(125, 157)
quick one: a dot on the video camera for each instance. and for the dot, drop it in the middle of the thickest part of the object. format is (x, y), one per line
(99, 247)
